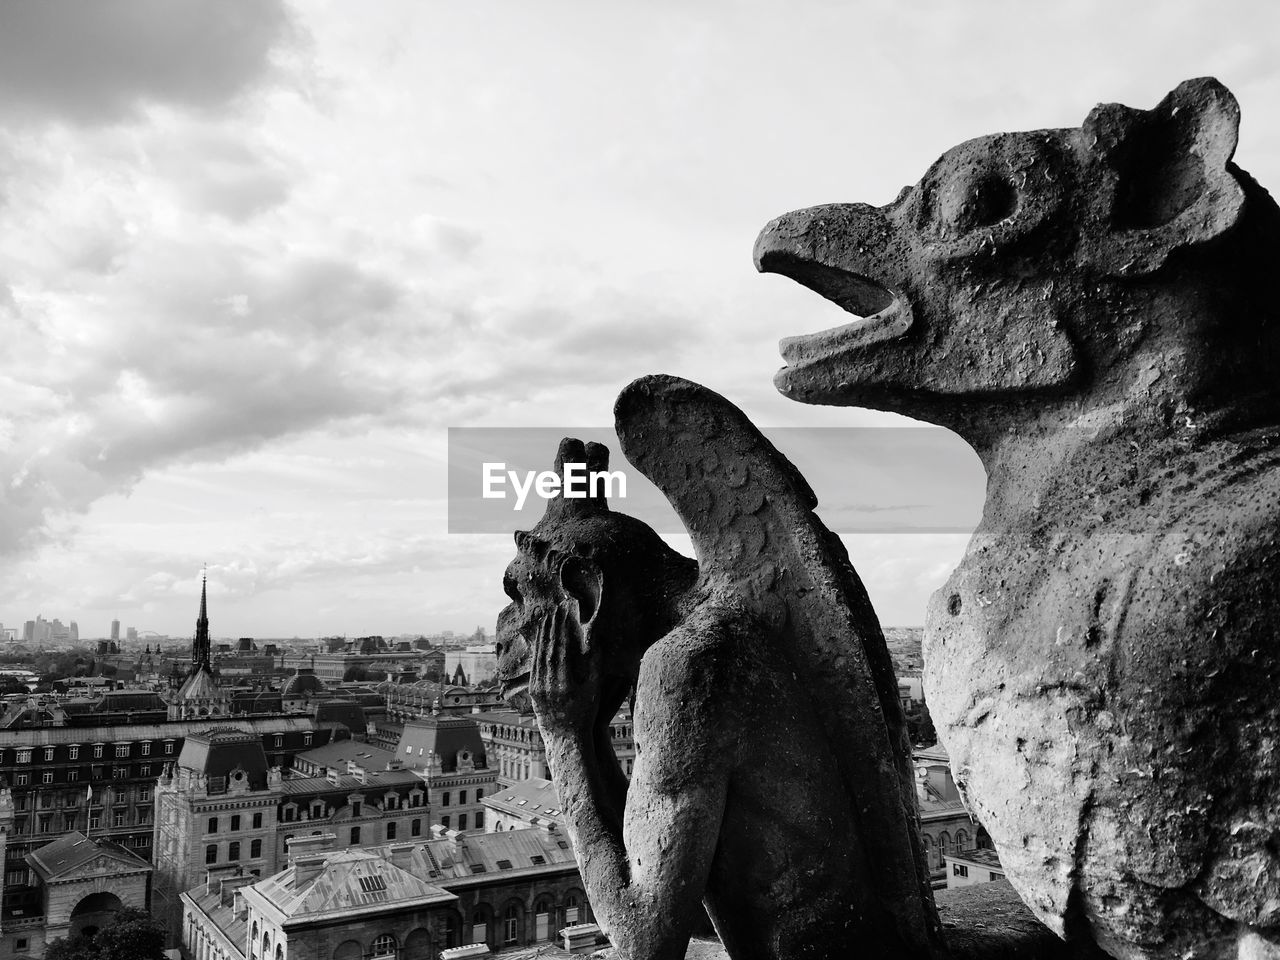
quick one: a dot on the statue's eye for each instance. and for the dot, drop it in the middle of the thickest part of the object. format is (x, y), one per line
(509, 587)
(971, 202)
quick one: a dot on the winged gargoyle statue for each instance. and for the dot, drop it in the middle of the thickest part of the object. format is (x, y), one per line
(1094, 310)
(772, 779)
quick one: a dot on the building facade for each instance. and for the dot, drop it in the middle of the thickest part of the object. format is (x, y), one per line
(102, 782)
(409, 901)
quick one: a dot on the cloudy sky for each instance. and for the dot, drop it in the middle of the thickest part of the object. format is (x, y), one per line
(257, 257)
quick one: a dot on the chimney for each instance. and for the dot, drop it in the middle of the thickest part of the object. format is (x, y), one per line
(922, 777)
(402, 855)
(581, 937)
(229, 885)
(331, 775)
(310, 846)
(239, 907)
(306, 869)
(359, 773)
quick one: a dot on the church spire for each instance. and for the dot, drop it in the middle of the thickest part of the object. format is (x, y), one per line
(200, 646)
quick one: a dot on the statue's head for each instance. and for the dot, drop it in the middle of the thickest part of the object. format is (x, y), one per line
(1048, 263)
(615, 570)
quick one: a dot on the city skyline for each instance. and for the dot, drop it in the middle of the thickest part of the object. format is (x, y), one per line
(258, 258)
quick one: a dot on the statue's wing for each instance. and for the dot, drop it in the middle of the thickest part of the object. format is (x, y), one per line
(761, 548)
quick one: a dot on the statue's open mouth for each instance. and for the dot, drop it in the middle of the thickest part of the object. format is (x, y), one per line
(883, 313)
(515, 685)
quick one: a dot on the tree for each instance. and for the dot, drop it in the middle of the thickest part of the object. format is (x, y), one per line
(920, 726)
(10, 684)
(131, 935)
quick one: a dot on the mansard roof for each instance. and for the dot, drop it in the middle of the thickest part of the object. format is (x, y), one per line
(220, 752)
(447, 735)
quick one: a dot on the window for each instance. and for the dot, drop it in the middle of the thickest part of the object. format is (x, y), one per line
(46, 823)
(355, 808)
(20, 943)
(355, 834)
(278, 740)
(255, 849)
(122, 749)
(479, 794)
(120, 772)
(479, 926)
(73, 775)
(462, 821)
(24, 756)
(144, 794)
(542, 921)
(415, 828)
(235, 821)
(391, 830)
(68, 822)
(46, 777)
(95, 821)
(959, 870)
(211, 853)
(233, 851)
(48, 753)
(571, 909)
(146, 748)
(995, 876)
(145, 770)
(444, 821)
(257, 821)
(480, 820)
(306, 739)
(117, 818)
(213, 825)
(22, 779)
(462, 797)
(384, 946)
(444, 799)
(168, 746)
(511, 924)
(73, 752)
(97, 750)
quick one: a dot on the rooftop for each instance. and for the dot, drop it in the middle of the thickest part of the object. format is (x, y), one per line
(73, 850)
(345, 782)
(349, 882)
(457, 856)
(981, 857)
(335, 755)
(530, 798)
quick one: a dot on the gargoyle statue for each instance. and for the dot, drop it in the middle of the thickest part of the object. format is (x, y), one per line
(772, 778)
(1093, 310)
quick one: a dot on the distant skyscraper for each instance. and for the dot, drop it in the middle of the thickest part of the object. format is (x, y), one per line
(115, 629)
(75, 631)
(131, 633)
(29, 631)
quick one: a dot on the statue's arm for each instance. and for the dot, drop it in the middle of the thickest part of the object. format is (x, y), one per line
(646, 875)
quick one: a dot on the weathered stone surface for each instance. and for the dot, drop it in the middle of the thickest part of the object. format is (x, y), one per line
(772, 776)
(1091, 310)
